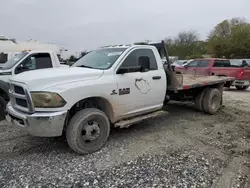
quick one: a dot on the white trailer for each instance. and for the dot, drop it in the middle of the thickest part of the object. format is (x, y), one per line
(10, 47)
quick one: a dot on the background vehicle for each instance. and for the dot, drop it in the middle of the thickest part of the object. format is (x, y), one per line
(179, 63)
(22, 62)
(117, 85)
(10, 47)
(218, 67)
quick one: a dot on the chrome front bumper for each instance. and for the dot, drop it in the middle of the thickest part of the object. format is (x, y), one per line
(241, 83)
(43, 124)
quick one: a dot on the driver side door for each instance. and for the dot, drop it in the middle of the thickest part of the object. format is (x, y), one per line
(137, 90)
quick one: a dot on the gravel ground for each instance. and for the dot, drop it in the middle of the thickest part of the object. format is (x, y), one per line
(184, 149)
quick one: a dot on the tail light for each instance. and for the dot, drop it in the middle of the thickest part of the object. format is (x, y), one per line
(240, 75)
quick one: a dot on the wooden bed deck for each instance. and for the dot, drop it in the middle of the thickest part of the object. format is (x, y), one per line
(186, 81)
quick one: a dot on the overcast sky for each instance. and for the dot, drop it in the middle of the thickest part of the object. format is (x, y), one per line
(87, 24)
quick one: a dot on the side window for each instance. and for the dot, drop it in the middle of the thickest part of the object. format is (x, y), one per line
(42, 61)
(217, 63)
(30, 63)
(226, 63)
(203, 63)
(131, 60)
(141, 57)
(222, 63)
(193, 64)
(36, 61)
(3, 57)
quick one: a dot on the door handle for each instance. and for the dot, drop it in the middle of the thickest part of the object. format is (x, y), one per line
(156, 77)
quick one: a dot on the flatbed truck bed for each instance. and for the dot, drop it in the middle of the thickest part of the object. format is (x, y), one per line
(186, 81)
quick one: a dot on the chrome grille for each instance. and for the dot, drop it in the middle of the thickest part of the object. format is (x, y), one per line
(20, 97)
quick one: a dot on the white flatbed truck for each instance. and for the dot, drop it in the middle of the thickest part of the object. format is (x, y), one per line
(111, 86)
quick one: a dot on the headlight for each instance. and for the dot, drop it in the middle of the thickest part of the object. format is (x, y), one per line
(47, 100)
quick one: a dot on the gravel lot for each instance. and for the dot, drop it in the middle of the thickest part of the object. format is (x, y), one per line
(184, 149)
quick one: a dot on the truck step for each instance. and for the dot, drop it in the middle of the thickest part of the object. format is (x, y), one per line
(128, 122)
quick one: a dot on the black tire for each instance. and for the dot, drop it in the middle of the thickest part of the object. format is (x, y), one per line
(198, 100)
(166, 101)
(2, 108)
(77, 127)
(211, 102)
(242, 87)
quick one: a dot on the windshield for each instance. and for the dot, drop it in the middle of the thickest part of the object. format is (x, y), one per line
(12, 61)
(100, 59)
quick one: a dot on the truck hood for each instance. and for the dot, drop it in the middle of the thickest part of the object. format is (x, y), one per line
(5, 72)
(40, 79)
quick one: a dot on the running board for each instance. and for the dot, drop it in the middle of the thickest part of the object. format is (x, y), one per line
(128, 122)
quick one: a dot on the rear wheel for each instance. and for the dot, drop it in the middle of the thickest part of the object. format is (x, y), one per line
(198, 100)
(2, 108)
(88, 131)
(242, 87)
(211, 101)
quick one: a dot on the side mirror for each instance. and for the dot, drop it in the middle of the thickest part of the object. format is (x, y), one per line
(144, 63)
(21, 69)
(185, 66)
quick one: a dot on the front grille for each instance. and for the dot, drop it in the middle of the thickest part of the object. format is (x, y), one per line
(22, 102)
(20, 98)
(19, 90)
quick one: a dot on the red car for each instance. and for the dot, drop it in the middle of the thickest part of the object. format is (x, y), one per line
(218, 67)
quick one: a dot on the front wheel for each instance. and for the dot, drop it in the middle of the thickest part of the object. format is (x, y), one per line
(88, 131)
(2, 108)
(242, 87)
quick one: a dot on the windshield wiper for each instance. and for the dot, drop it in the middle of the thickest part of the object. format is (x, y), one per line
(85, 66)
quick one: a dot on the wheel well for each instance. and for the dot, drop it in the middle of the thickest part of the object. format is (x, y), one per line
(4, 95)
(93, 102)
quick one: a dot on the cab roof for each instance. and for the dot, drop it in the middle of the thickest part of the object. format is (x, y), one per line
(156, 44)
